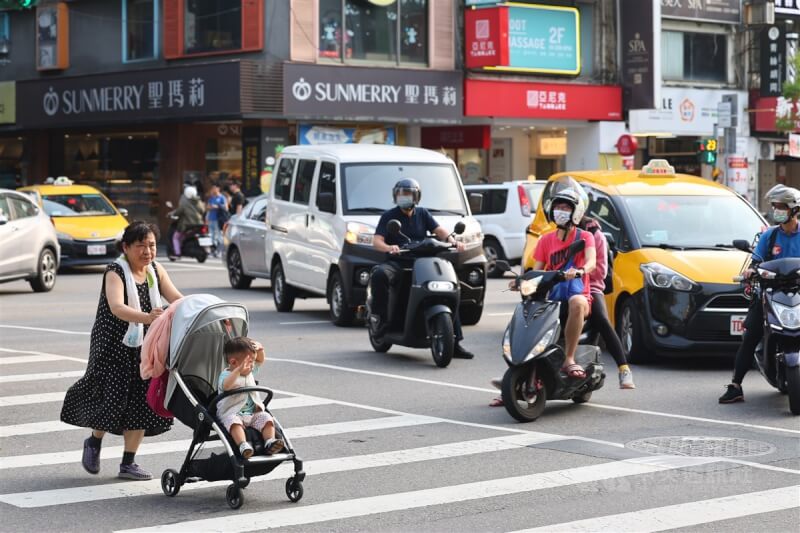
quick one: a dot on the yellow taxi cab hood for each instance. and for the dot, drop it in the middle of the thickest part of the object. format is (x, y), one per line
(702, 266)
(91, 227)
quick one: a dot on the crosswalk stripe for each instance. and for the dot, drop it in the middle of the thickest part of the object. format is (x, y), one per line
(45, 354)
(56, 425)
(20, 359)
(685, 514)
(18, 378)
(112, 452)
(358, 507)
(61, 331)
(29, 399)
(323, 466)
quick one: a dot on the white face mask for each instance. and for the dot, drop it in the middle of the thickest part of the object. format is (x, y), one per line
(562, 218)
(780, 215)
(405, 202)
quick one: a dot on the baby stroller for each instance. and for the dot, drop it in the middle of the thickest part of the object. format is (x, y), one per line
(201, 325)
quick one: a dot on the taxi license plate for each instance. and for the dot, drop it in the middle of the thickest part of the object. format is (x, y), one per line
(96, 249)
(204, 241)
(737, 324)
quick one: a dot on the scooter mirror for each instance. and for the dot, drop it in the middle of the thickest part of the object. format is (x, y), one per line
(502, 266)
(460, 227)
(168, 204)
(743, 245)
(394, 227)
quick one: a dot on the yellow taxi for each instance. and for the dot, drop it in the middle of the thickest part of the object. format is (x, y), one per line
(671, 290)
(87, 223)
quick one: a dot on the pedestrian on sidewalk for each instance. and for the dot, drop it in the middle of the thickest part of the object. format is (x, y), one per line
(111, 396)
(217, 213)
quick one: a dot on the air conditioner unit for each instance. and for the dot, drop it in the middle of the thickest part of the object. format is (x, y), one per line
(757, 12)
(767, 151)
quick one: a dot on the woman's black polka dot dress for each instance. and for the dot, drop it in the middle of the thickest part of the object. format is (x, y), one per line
(111, 396)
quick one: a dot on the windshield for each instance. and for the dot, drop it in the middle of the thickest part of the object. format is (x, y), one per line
(76, 205)
(692, 221)
(368, 187)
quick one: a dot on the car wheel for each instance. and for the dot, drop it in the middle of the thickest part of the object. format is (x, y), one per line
(470, 314)
(45, 278)
(236, 275)
(342, 314)
(282, 293)
(629, 330)
(493, 252)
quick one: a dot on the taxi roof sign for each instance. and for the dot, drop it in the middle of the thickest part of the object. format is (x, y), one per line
(658, 167)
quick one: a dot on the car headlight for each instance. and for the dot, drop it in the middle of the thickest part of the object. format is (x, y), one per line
(64, 236)
(470, 240)
(507, 344)
(529, 286)
(441, 286)
(788, 316)
(657, 275)
(543, 343)
(358, 233)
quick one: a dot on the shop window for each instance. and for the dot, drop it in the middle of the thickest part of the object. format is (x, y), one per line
(326, 184)
(14, 166)
(140, 29)
(302, 184)
(694, 56)
(283, 183)
(202, 27)
(364, 30)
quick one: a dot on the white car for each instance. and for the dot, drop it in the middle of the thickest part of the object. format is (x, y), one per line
(505, 214)
(29, 246)
(322, 209)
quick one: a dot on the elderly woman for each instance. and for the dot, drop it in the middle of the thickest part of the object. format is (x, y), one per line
(111, 396)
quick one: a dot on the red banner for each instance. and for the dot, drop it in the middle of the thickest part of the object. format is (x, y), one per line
(486, 36)
(457, 137)
(490, 98)
(765, 110)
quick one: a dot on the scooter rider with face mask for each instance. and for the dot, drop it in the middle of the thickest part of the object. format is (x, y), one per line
(416, 222)
(777, 242)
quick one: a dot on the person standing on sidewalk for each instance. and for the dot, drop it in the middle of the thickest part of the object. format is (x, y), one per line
(217, 209)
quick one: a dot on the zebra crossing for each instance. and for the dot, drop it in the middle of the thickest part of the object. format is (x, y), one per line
(368, 468)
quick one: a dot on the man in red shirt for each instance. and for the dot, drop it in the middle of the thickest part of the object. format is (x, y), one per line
(568, 204)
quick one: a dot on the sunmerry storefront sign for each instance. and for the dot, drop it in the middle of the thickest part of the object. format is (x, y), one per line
(365, 94)
(686, 112)
(192, 91)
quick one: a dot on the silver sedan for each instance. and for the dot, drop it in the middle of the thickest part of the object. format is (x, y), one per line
(245, 236)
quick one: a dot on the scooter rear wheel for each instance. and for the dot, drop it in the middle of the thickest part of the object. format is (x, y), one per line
(443, 339)
(524, 393)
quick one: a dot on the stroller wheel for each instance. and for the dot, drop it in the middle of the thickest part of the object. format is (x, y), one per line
(294, 490)
(234, 496)
(170, 482)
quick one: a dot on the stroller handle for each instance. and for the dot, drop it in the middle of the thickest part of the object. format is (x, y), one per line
(212, 408)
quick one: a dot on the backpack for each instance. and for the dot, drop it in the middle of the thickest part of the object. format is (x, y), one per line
(771, 245)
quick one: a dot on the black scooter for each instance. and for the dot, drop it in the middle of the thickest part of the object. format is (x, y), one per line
(532, 351)
(196, 242)
(778, 353)
(424, 299)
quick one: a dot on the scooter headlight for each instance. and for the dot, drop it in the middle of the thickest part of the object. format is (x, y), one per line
(529, 286)
(543, 343)
(789, 317)
(507, 345)
(441, 286)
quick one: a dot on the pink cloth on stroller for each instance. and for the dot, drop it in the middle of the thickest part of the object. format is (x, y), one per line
(156, 344)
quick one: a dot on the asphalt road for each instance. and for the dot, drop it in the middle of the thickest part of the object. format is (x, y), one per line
(391, 442)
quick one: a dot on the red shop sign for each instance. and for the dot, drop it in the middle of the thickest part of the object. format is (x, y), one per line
(457, 137)
(766, 109)
(491, 98)
(627, 145)
(486, 36)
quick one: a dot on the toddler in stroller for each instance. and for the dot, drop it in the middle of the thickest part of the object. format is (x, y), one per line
(201, 327)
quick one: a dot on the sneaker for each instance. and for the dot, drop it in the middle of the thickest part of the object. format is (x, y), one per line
(273, 446)
(733, 394)
(135, 472)
(460, 353)
(246, 450)
(626, 380)
(91, 458)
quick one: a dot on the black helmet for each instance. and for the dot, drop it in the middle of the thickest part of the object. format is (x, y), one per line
(407, 185)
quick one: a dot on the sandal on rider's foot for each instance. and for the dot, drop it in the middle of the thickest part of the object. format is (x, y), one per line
(497, 402)
(574, 371)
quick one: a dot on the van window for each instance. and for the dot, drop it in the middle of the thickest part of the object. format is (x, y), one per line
(283, 179)
(302, 184)
(494, 201)
(326, 184)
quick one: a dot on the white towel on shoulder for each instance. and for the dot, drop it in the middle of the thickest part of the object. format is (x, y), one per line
(135, 334)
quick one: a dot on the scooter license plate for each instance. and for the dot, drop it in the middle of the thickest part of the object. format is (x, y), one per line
(204, 241)
(96, 249)
(737, 325)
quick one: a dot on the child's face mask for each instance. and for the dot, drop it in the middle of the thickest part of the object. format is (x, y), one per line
(561, 217)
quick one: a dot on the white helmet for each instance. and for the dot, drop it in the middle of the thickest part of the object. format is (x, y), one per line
(781, 194)
(566, 189)
(190, 192)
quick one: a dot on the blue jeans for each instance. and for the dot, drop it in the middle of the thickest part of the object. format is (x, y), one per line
(216, 235)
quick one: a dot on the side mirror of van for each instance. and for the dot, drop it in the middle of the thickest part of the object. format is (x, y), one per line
(476, 203)
(394, 227)
(326, 202)
(460, 227)
(123, 212)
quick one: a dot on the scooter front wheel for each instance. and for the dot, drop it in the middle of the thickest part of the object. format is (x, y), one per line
(442, 339)
(793, 382)
(524, 393)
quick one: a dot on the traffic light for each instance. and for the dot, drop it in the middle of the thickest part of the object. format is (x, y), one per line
(707, 151)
